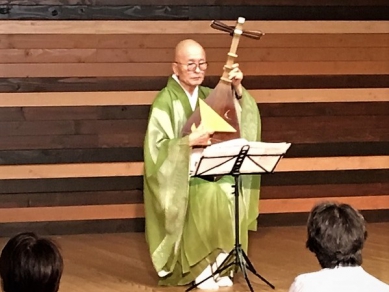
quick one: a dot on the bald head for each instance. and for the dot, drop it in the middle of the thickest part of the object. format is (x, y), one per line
(187, 48)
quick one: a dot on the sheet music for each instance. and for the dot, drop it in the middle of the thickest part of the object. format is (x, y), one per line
(220, 158)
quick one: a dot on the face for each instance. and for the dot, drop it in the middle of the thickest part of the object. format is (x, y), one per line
(193, 55)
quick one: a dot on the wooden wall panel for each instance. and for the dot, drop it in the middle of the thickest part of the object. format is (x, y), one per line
(74, 105)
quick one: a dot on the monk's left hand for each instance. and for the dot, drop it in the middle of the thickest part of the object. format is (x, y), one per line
(236, 76)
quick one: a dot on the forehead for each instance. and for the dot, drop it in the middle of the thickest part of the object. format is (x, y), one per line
(192, 53)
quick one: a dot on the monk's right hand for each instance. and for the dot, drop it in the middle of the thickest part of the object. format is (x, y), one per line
(200, 137)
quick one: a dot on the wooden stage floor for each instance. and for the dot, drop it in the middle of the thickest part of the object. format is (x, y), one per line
(120, 262)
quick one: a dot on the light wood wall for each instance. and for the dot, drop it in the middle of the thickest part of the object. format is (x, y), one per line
(75, 96)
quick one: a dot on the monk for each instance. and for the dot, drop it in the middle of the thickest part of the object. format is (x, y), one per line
(190, 221)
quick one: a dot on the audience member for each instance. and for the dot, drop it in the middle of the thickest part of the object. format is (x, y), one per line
(336, 235)
(29, 263)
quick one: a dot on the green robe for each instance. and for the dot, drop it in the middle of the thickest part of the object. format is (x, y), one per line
(189, 221)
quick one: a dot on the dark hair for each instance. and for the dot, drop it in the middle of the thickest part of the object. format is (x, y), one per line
(29, 263)
(336, 234)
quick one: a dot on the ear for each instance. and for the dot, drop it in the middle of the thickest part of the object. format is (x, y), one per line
(175, 69)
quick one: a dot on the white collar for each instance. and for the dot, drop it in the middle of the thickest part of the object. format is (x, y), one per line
(192, 97)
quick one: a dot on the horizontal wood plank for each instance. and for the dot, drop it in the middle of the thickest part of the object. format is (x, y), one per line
(135, 139)
(65, 213)
(324, 190)
(325, 177)
(55, 156)
(300, 218)
(25, 200)
(23, 128)
(72, 170)
(126, 211)
(132, 98)
(308, 123)
(135, 154)
(14, 56)
(70, 199)
(11, 114)
(333, 163)
(196, 2)
(119, 84)
(111, 127)
(138, 225)
(187, 27)
(371, 109)
(136, 168)
(90, 184)
(368, 109)
(164, 69)
(51, 142)
(75, 227)
(341, 135)
(338, 149)
(305, 205)
(194, 12)
(97, 113)
(87, 184)
(208, 41)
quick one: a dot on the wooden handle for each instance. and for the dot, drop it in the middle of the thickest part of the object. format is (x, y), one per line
(232, 53)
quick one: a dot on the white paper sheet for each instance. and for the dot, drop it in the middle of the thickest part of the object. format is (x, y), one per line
(220, 158)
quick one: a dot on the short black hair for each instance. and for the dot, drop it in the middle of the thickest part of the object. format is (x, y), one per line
(29, 263)
(336, 234)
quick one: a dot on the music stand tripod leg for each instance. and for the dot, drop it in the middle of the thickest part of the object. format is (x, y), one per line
(251, 268)
(242, 265)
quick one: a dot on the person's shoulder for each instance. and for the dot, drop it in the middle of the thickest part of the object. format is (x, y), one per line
(169, 92)
(307, 282)
(309, 276)
(379, 286)
(163, 97)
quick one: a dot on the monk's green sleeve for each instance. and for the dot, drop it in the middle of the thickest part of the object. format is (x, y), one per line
(251, 131)
(166, 157)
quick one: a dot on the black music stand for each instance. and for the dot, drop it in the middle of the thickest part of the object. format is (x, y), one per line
(242, 162)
